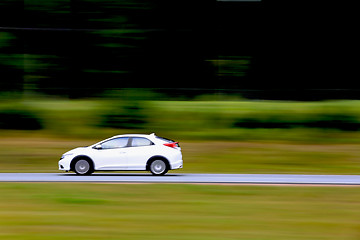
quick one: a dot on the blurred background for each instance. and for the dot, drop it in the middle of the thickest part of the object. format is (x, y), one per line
(73, 72)
(245, 86)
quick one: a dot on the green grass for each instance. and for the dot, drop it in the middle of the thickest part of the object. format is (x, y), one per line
(217, 120)
(41, 154)
(210, 143)
(207, 132)
(149, 211)
(200, 120)
(271, 157)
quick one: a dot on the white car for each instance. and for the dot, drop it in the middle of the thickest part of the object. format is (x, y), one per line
(133, 152)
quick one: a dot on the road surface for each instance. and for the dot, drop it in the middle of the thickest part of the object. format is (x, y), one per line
(184, 178)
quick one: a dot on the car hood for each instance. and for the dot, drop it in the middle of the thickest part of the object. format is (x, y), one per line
(75, 150)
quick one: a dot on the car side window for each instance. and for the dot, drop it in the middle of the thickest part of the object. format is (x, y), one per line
(140, 142)
(115, 143)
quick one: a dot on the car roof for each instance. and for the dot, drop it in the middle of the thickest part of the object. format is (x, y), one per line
(134, 135)
(151, 136)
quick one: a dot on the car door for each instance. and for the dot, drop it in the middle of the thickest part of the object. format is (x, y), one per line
(111, 154)
(140, 150)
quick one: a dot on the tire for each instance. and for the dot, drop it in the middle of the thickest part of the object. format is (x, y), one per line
(83, 167)
(158, 167)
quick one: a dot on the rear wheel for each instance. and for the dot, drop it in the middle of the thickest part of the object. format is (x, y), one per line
(158, 167)
(83, 167)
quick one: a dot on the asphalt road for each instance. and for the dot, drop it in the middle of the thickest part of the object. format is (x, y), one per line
(184, 178)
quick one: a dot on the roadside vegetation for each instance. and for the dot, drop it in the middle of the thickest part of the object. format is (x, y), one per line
(324, 121)
(216, 136)
(36, 153)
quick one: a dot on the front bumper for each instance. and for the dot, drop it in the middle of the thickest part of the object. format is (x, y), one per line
(64, 164)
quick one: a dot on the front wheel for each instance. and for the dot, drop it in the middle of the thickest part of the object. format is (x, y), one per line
(83, 167)
(158, 167)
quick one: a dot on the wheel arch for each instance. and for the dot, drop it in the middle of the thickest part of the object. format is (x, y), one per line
(157, 157)
(73, 161)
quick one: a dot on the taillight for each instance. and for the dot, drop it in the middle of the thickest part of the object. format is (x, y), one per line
(172, 145)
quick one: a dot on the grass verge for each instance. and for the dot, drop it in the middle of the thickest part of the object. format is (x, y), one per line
(148, 211)
(41, 154)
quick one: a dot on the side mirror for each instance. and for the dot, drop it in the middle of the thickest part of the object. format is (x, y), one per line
(98, 147)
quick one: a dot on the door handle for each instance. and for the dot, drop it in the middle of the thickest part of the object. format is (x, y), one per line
(122, 152)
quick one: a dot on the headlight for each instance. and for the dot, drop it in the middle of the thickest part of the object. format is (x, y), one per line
(66, 154)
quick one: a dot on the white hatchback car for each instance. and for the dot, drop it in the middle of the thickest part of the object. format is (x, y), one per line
(134, 152)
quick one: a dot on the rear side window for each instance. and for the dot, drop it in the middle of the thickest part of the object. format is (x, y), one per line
(140, 142)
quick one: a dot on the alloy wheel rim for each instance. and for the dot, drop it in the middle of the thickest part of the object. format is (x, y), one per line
(158, 166)
(82, 166)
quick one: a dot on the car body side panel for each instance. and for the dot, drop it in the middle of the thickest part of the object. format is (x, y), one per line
(138, 156)
(109, 159)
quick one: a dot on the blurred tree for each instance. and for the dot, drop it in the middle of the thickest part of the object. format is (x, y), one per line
(84, 47)
(81, 48)
(11, 63)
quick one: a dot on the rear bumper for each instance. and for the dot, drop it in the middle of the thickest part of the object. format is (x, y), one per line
(177, 164)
